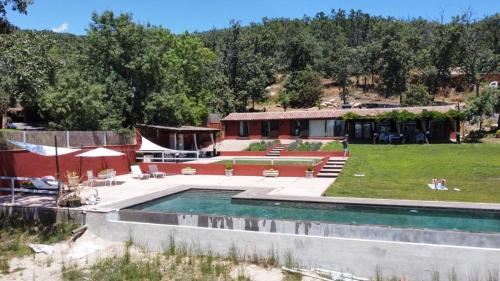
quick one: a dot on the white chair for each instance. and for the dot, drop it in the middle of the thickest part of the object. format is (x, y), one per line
(91, 179)
(153, 170)
(111, 177)
(137, 173)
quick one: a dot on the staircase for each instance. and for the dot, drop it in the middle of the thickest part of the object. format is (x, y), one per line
(332, 167)
(276, 151)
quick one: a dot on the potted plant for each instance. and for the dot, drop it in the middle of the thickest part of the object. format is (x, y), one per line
(73, 201)
(188, 171)
(309, 171)
(229, 169)
(270, 173)
(73, 179)
(27, 184)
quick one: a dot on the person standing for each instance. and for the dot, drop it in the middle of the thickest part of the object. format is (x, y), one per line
(345, 145)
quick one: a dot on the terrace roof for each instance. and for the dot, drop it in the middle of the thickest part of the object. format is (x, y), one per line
(328, 114)
(180, 129)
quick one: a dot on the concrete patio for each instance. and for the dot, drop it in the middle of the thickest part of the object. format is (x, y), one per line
(128, 187)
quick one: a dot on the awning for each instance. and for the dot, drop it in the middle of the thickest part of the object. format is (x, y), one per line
(149, 146)
(43, 149)
(100, 152)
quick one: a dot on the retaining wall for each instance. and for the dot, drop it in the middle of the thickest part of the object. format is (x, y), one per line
(416, 261)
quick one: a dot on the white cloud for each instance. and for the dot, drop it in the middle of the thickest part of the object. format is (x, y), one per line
(61, 28)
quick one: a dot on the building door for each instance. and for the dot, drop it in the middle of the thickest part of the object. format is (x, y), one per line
(362, 130)
(243, 130)
(317, 128)
(273, 128)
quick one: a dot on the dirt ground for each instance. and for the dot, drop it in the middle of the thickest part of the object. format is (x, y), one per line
(87, 250)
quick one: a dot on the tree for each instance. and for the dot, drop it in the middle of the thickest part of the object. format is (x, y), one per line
(395, 60)
(20, 6)
(302, 89)
(482, 106)
(27, 68)
(416, 95)
(345, 67)
(477, 59)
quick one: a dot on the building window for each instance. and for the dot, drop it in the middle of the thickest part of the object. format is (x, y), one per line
(339, 128)
(243, 131)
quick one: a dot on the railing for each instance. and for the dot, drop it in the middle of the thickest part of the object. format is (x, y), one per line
(12, 189)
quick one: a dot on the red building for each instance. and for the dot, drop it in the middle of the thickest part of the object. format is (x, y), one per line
(363, 125)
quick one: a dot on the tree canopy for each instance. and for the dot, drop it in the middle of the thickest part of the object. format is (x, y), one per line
(122, 73)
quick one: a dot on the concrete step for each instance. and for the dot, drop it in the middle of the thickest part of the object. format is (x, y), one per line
(331, 169)
(335, 164)
(336, 161)
(327, 175)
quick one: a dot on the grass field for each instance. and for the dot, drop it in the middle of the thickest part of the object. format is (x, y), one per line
(268, 162)
(403, 172)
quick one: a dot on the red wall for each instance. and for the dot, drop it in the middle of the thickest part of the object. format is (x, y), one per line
(238, 169)
(255, 129)
(284, 129)
(21, 163)
(285, 153)
(231, 130)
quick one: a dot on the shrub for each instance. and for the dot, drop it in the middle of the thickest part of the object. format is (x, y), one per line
(304, 146)
(229, 166)
(260, 146)
(310, 168)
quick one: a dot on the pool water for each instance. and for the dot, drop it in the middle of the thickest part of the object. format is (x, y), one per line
(217, 202)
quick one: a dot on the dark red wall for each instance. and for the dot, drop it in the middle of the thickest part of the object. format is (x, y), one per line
(231, 128)
(284, 129)
(255, 129)
(21, 163)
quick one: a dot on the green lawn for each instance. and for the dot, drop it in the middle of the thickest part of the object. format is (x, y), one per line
(403, 172)
(268, 162)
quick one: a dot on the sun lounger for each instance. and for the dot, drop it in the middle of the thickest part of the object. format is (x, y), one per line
(44, 184)
(137, 173)
(153, 170)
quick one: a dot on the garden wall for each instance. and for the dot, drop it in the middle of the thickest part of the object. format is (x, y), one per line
(238, 169)
(21, 163)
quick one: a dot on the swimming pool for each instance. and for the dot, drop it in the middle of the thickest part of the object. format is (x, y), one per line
(220, 203)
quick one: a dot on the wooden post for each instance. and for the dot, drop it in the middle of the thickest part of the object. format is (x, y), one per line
(12, 195)
(195, 142)
(59, 187)
(175, 140)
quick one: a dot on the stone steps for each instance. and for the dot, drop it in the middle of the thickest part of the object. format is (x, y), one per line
(332, 168)
(276, 151)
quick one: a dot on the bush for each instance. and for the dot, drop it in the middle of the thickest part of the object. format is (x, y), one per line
(229, 166)
(260, 146)
(304, 146)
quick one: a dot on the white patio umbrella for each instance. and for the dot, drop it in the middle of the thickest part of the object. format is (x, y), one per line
(100, 152)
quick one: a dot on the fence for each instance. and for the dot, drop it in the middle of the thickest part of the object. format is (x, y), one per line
(65, 138)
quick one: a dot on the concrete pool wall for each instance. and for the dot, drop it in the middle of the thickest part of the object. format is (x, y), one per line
(358, 256)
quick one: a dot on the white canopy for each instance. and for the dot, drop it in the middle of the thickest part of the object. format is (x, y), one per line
(43, 149)
(100, 152)
(149, 146)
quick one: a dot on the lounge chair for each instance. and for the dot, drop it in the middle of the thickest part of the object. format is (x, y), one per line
(111, 177)
(137, 173)
(153, 170)
(44, 184)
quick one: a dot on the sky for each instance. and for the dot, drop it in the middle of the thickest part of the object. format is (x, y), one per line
(73, 16)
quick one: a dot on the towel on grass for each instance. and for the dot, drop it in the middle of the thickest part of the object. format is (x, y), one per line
(438, 187)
